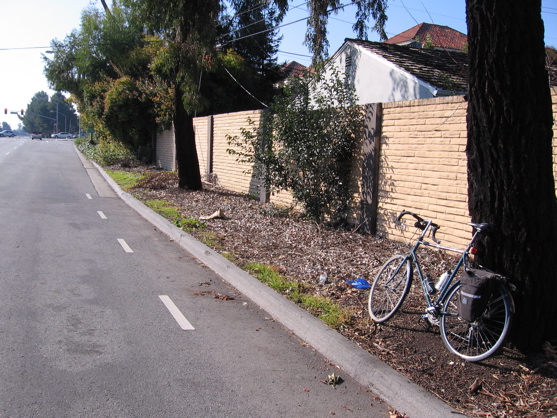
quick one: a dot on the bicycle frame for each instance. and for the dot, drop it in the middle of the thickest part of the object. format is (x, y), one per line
(444, 291)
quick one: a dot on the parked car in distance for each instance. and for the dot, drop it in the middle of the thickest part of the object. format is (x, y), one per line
(36, 135)
(11, 134)
(61, 135)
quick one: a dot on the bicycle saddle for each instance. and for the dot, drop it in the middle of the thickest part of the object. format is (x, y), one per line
(479, 226)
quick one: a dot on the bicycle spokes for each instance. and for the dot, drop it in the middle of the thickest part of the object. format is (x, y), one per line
(389, 288)
(479, 339)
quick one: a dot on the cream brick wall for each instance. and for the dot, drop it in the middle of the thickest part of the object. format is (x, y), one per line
(422, 163)
(423, 167)
(228, 172)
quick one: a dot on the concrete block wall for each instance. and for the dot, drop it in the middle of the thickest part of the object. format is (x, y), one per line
(423, 167)
(227, 171)
(165, 150)
(422, 163)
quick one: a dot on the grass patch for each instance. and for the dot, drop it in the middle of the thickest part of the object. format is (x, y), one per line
(164, 208)
(125, 179)
(229, 256)
(210, 239)
(190, 224)
(329, 312)
(324, 308)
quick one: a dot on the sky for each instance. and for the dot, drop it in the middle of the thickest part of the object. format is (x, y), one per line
(28, 26)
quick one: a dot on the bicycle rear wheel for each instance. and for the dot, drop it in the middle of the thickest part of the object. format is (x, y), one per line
(390, 288)
(478, 340)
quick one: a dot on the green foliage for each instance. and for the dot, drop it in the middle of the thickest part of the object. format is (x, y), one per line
(270, 276)
(126, 180)
(319, 12)
(190, 224)
(42, 113)
(307, 145)
(106, 152)
(164, 208)
(105, 66)
(128, 113)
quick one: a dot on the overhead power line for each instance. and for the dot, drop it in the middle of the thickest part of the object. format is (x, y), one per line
(246, 90)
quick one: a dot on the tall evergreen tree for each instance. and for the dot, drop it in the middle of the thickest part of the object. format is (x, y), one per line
(253, 35)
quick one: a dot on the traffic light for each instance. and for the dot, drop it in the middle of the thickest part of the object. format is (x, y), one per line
(6, 111)
(21, 112)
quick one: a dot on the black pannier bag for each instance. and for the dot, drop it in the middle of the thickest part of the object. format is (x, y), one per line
(477, 288)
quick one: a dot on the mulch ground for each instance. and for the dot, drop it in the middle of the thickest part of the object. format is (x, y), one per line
(511, 384)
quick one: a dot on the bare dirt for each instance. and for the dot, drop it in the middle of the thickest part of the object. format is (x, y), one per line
(511, 384)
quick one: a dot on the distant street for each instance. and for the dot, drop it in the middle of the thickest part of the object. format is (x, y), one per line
(93, 302)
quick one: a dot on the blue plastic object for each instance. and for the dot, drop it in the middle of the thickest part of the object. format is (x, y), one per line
(359, 283)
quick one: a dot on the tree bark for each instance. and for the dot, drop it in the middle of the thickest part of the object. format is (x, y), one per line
(189, 176)
(509, 150)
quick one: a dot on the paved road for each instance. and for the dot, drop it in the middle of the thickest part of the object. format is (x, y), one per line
(84, 330)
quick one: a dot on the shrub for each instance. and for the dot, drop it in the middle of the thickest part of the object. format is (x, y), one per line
(306, 144)
(107, 153)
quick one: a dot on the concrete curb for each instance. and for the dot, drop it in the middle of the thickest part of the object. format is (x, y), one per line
(392, 387)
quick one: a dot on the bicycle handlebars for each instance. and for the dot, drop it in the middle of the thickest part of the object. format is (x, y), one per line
(421, 223)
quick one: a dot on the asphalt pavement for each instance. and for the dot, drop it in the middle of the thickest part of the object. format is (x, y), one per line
(383, 381)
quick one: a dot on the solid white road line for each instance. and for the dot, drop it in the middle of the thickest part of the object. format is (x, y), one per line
(178, 316)
(125, 246)
(101, 214)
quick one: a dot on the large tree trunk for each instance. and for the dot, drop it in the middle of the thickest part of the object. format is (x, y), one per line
(189, 176)
(510, 169)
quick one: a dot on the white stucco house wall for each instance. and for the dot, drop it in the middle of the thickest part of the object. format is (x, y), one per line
(383, 72)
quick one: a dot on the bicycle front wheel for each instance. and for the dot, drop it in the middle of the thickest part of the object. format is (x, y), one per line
(478, 340)
(390, 288)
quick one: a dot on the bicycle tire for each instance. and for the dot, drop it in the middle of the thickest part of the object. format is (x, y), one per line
(481, 339)
(389, 289)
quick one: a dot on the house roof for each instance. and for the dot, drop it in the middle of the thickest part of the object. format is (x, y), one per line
(445, 70)
(441, 37)
(293, 68)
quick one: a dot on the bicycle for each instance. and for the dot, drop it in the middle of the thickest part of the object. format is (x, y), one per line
(474, 339)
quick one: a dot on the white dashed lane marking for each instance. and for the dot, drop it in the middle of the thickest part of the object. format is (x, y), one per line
(178, 316)
(125, 246)
(101, 214)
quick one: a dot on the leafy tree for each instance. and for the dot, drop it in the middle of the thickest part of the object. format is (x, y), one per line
(320, 10)
(105, 65)
(189, 29)
(123, 103)
(307, 145)
(249, 30)
(43, 112)
(252, 34)
(64, 113)
(233, 86)
(510, 168)
(6, 126)
(38, 117)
